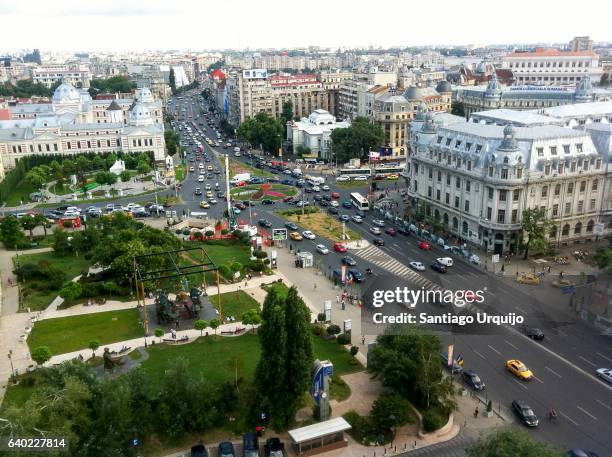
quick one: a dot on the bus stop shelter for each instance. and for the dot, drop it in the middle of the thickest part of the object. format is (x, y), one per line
(320, 437)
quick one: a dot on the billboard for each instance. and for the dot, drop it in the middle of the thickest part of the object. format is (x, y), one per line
(255, 73)
(279, 234)
(324, 370)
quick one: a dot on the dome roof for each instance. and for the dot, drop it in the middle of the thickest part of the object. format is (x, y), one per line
(140, 115)
(509, 142)
(413, 93)
(584, 89)
(144, 95)
(420, 115)
(443, 86)
(494, 87)
(66, 93)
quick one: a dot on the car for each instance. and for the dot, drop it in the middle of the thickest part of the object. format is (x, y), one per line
(288, 199)
(335, 195)
(209, 194)
(533, 332)
(528, 278)
(308, 234)
(325, 188)
(322, 249)
(525, 413)
(334, 204)
(357, 219)
(605, 374)
(378, 241)
(250, 446)
(240, 205)
(212, 201)
(446, 261)
(295, 236)
(347, 204)
(438, 267)
(264, 223)
(344, 217)
(342, 178)
(390, 231)
(226, 449)
(348, 260)
(197, 191)
(267, 201)
(339, 247)
(378, 222)
(375, 231)
(235, 210)
(204, 204)
(332, 210)
(471, 378)
(191, 168)
(199, 450)
(393, 176)
(357, 275)
(360, 178)
(418, 266)
(207, 187)
(316, 189)
(424, 246)
(519, 369)
(274, 447)
(324, 203)
(308, 190)
(403, 231)
(580, 453)
(327, 197)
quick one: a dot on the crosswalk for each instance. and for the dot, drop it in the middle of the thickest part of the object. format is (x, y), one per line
(383, 260)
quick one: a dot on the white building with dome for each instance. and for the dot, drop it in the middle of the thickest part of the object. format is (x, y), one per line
(314, 132)
(74, 123)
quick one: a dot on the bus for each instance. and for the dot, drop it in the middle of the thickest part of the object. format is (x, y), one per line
(355, 172)
(359, 201)
(389, 170)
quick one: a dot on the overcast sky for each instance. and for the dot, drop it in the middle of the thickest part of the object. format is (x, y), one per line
(115, 25)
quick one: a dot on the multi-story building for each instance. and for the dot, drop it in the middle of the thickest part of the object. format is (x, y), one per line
(314, 132)
(76, 75)
(496, 96)
(581, 44)
(551, 67)
(477, 179)
(331, 81)
(74, 123)
(304, 91)
(351, 95)
(248, 93)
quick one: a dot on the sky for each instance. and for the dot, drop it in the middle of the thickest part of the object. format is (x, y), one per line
(138, 25)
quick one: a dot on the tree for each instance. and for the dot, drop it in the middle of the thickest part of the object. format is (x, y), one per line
(61, 243)
(262, 130)
(98, 163)
(511, 442)
(388, 411)
(536, 226)
(71, 291)
(125, 176)
(11, 232)
(200, 325)
(286, 115)
(94, 345)
(159, 333)
(143, 168)
(172, 81)
(357, 140)
(603, 258)
(29, 223)
(214, 324)
(302, 150)
(41, 354)
(112, 85)
(251, 317)
(458, 109)
(42, 221)
(36, 179)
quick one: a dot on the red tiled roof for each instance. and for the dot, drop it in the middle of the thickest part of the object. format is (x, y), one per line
(5, 114)
(541, 52)
(217, 74)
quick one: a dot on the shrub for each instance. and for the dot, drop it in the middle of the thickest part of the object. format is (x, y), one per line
(225, 271)
(434, 419)
(224, 232)
(236, 266)
(344, 338)
(260, 254)
(333, 329)
(186, 231)
(317, 330)
(354, 350)
(209, 233)
(67, 224)
(178, 231)
(321, 317)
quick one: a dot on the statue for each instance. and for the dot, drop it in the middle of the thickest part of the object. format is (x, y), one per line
(111, 362)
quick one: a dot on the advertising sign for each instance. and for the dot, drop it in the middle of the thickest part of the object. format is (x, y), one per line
(347, 326)
(279, 234)
(255, 73)
(320, 380)
(599, 228)
(328, 308)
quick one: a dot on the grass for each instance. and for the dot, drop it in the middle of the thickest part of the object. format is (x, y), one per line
(236, 167)
(68, 334)
(223, 252)
(179, 172)
(37, 295)
(20, 194)
(351, 184)
(323, 225)
(244, 191)
(235, 303)
(281, 289)
(343, 361)
(338, 389)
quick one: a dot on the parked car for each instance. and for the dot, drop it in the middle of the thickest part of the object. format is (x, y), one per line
(199, 450)
(344, 217)
(525, 413)
(357, 219)
(471, 378)
(335, 195)
(267, 201)
(226, 449)
(250, 445)
(274, 448)
(332, 210)
(347, 204)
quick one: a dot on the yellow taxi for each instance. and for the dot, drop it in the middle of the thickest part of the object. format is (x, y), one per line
(209, 194)
(393, 176)
(528, 278)
(295, 236)
(209, 168)
(518, 369)
(204, 204)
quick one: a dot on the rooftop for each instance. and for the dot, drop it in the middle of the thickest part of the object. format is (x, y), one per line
(541, 52)
(320, 429)
(515, 117)
(579, 109)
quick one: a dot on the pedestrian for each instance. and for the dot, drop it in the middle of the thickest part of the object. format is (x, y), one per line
(476, 413)
(173, 333)
(337, 299)
(363, 340)
(315, 286)
(343, 305)
(177, 323)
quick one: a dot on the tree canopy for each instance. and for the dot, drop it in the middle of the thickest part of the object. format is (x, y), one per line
(262, 130)
(112, 85)
(357, 140)
(536, 226)
(172, 81)
(511, 442)
(26, 88)
(603, 258)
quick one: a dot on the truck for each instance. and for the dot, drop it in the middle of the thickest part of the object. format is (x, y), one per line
(240, 177)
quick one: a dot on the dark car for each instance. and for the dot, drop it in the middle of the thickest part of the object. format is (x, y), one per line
(333, 210)
(344, 217)
(403, 231)
(197, 191)
(139, 213)
(327, 198)
(580, 453)
(308, 190)
(220, 194)
(199, 451)
(287, 182)
(347, 204)
(357, 275)
(264, 223)
(438, 267)
(240, 205)
(291, 226)
(534, 333)
(390, 231)
(378, 241)
(348, 260)
(248, 203)
(318, 198)
(226, 449)
(525, 413)
(273, 448)
(471, 378)
(324, 203)
(250, 446)
(267, 201)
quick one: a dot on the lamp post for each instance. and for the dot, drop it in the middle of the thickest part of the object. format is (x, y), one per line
(10, 357)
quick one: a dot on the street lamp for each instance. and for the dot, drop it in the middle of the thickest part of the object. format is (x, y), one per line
(10, 357)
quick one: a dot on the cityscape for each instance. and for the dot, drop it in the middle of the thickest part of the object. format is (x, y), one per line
(236, 230)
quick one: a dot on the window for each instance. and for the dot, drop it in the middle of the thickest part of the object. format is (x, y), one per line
(589, 227)
(448, 141)
(458, 182)
(468, 185)
(448, 179)
(457, 143)
(490, 172)
(490, 193)
(519, 173)
(570, 187)
(547, 169)
(578, 228)
(553, 231)
(466, 205)
(566, 148)
(579, 147)
(573, 166)
(544, 191)
(447, 198)
(568, 208)
(560, 168)
(565, 230)
(439, 139)
(456, 202)
(429, 191)
(438, 194)
(557, 189)
(586, 165)
(502, 195)
(540, 152)
(553, 150)
(514, 216)
(439, 176)
(504, 173)
(501, 216)
(582, 186)
(464, 227)
(489, 213)
(478, 148)
(580, 206)
(598, 164)
(469, 165)
(555, 210)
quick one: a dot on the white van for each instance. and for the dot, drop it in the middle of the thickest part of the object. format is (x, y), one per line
(446, 261)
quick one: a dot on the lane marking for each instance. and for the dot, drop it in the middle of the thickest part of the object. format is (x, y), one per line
(479, 354)
(510, 344)
(604, 405)
(520, 384)
(568, 418)
(520, 310)
(587, 361)
(493, 349)
(586, 412)
(553, 372)
(603, 356)
(538, 379)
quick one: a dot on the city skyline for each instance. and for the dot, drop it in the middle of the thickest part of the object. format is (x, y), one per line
(67, 25)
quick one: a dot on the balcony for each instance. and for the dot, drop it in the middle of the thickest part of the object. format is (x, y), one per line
(498, 226)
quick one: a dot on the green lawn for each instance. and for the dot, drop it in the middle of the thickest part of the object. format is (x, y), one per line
(67, 334)
(179, 172)
(38, 295)
(235, 303)
(343, 361)
(281, 288)
(243, 193)
(20, 194)
(224, 252)
(236, 167)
